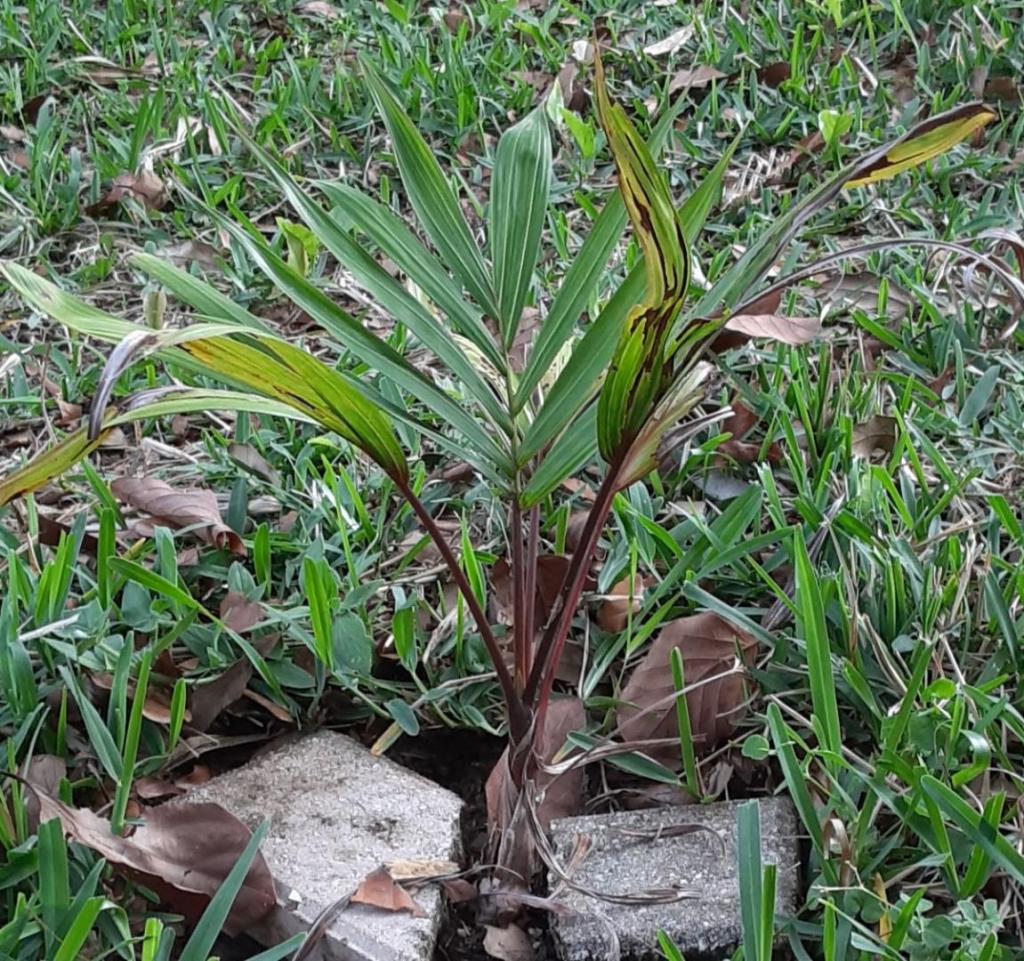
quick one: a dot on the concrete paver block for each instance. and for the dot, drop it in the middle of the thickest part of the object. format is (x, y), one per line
(627, 856)
(336, 813)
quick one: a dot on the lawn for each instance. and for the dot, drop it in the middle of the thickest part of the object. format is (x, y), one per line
(836, 560)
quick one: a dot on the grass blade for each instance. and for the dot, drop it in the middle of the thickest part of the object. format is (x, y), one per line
(811, 628)
(210, 924)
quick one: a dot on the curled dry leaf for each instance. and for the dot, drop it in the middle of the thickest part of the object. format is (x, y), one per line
(560, 796)
(614, 611)
(380, 890)
(574, 95)
(1002, 88)
(671, 43)
(511, 943)
(455, 18)
(459, 890)
(740, 420)
(319, 8)
(70, 414)
(551, 570)
(182, 852)
(746, 452)
(806, 146)
(239, 613)
(714, 653)
(268, 705)
(199, 774)
(786, 330)
(252, 460)
(405, 870)
(194, 252)
(861, 290)
(876, 433)
(695, 78)
(208, 701)
(43, 772)
(156, 707)
(146, 188)
(774, 74)
(179, 508)
(155, 788)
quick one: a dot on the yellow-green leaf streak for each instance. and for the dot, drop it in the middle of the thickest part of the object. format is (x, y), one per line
(638, 371)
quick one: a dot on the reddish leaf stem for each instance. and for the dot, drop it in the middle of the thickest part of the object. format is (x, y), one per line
(520, 600)
(549, 651)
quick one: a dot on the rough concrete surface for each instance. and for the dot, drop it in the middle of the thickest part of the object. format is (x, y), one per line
(336, 813)
(627, 857)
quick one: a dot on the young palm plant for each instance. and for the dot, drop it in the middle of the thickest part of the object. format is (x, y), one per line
(612, 388)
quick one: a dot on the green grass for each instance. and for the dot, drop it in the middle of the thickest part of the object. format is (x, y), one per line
(887, 705)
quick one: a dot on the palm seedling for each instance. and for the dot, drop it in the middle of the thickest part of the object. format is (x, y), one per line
(612, 388)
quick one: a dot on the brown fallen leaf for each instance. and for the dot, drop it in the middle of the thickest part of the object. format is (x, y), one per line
(406, 870)
(671, 43)
(12, 133)
(1002, 88)
(876, 433)
(31, 108)
(459, 890)
(551, 570)
(728, 339)
(574, 94)
(268, 705)
(736, 449)
(181, 852)
(774, 74)
(239, 613)
(194, 252)
(695, 78)
(560, 796)
(156, 707)
(976, 80)
(155, 788)
(45, 772)
(145, 188)
(786, 330)
(743, 452)
(208, 701)
(805, 147)
(574, 530)
(613, 612)
(709, 646)
(250, 458)
(862, 289)
(454, 18)
(319, 8)
(51, 531)
(379, 890)
(70, 414)
(510, 943)
(740, 420)
(179, 508)
(199, 774)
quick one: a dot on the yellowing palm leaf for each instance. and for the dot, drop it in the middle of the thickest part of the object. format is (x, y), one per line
(638, 369)
(930, 139)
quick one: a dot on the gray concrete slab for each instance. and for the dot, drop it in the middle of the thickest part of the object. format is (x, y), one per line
(628, 855)
(336, 813)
